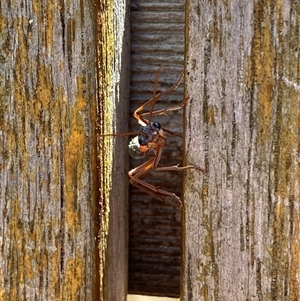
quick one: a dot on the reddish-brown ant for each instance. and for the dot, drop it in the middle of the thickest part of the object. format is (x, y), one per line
(151, 136)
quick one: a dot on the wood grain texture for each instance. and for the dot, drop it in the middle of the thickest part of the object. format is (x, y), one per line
(241, 219)
(47, 158)
(112, 36)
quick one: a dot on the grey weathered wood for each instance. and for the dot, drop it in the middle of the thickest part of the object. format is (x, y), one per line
(47, 154)
(157, 39)
(241, 219)
(113, 61)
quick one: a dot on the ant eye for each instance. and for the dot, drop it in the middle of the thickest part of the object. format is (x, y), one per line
(143, 140)
(156, 125)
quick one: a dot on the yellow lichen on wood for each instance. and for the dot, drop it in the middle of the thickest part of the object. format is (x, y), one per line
(74, 158)
(73, 278)
(294, 282)
(54, 283)
(261, 73)
(105, 61)
(73, 165)
(254, 207)
(47, 180)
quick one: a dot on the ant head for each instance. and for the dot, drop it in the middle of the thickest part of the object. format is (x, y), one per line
(156, 125)
(137, 150)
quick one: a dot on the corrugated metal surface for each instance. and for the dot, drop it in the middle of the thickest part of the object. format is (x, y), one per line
(157, 38)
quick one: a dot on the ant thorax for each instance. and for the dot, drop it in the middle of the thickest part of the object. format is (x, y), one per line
(147, 139)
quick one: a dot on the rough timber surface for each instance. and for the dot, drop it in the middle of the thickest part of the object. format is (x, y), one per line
(47, 150)
(241, 236)
(157, 39)
(112, 38)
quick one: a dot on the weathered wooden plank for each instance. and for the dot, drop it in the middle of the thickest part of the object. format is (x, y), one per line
(47, 158)
(113, 61)
(241, 218)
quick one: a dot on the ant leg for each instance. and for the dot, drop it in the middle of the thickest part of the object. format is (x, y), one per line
(140, 116)
(178, 168)
(171, 168)
(163, 195)
(120, 134)
(164, 111)
(158, 193)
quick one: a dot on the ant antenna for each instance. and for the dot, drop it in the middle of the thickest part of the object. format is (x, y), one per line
(158, 72)
(121, 134)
